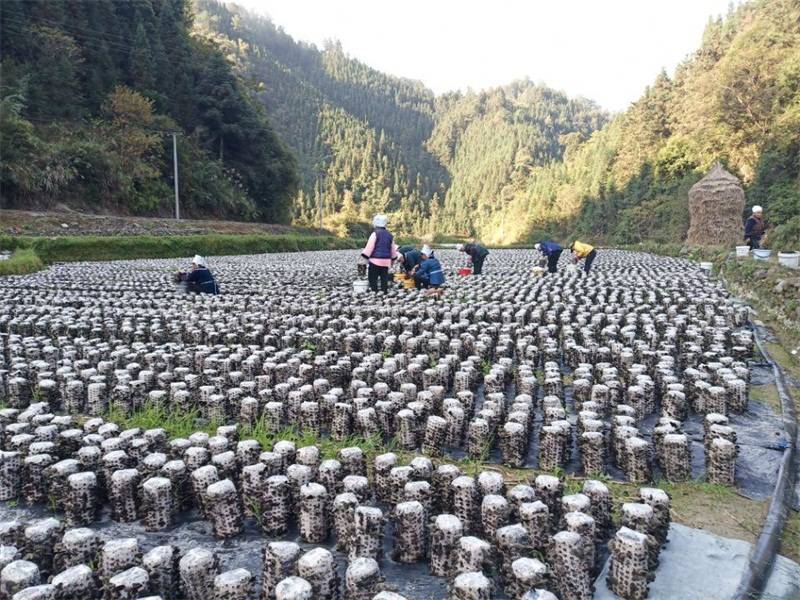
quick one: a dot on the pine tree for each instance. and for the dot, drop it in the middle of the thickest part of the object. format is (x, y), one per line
(140, 62)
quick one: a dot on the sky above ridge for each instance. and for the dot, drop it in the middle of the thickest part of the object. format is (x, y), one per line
(606, 50)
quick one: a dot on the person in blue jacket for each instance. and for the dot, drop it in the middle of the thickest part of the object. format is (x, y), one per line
(429, 273)
(199, 280)
(552, 251)
(409, 258)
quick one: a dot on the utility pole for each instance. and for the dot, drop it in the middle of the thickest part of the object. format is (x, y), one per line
(319, 208)
(175, 165)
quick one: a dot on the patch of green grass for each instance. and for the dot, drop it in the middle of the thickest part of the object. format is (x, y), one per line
(22, 261)
(177, 423)
(767, 394)
(329, 448)
(790, 539)
(79, 248)
(181, 424)
(716, 508)
(787, 361)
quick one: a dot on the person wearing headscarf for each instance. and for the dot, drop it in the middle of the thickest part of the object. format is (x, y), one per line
(552, 251)
(477, 254)
(429, 273)
(409, 257)
(199, 279)
(379, 253)
(583, 251)
(754, 228)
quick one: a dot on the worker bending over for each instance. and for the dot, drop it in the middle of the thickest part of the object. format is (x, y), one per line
(408, 257)
(477, 254)
(379, 253)
(583, 251)
(429, 273)
(754, 228)
(552, 251)
(199, 279)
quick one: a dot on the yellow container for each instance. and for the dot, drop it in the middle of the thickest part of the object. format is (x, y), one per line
(408, 283)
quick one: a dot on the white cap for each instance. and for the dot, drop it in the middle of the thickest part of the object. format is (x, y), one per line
(757, 209)
(199, 260)
(379, 221)
(426, 250)
(460, 247)
(537, 246)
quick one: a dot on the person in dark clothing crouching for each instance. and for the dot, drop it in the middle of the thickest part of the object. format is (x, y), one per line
(552, 251)
(379, 253)
(199, 279)
(429, 273)
(409, 258)
(477, 254)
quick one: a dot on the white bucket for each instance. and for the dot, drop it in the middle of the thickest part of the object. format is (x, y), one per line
(706, 266)
(360, 286)
(742, 251)
(789, 259)
(762, 254)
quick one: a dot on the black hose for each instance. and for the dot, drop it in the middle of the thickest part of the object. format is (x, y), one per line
(762, 557)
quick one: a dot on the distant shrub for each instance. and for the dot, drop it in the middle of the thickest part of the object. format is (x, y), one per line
(80, 248)
(786, 237)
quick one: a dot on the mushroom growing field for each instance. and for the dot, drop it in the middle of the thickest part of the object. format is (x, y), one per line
(289, 439)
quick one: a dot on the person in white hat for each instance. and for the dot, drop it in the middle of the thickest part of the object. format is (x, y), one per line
(754, 228)
(429, 273)
(477, 254)
(378, 254)
(199, 280)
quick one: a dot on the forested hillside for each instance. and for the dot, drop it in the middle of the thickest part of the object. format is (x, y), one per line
(369, 142)
(271, 128)
(492, 140)
(359, 135)
(90, 94)
(736, 99)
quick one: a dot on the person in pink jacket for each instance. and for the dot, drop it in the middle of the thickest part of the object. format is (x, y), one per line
(379, 253)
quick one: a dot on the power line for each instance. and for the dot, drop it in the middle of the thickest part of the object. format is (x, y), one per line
(65, 25)
(83, 33)
(57, 119)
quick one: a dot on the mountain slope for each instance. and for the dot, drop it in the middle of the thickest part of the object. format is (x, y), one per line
(91, 93)
(491, 140)
(358, 134)
(369, 142)
(736, 99)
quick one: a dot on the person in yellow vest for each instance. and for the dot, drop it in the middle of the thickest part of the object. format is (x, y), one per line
(583, 251)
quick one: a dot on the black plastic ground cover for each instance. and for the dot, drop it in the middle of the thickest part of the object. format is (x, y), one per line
(762, 557)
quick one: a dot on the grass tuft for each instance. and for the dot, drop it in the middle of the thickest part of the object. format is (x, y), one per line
(22, 261)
